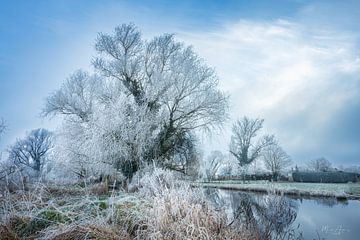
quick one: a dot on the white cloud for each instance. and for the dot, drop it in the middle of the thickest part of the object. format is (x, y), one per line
(296, 78)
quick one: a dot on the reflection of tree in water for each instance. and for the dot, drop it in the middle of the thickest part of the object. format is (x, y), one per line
(267, 216)
(330, 202)
(215, 197)
(277, 215)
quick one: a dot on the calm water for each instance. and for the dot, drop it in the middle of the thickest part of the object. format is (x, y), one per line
(284, 217)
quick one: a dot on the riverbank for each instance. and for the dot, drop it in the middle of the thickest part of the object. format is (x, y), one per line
(163, 207)
(340, 191)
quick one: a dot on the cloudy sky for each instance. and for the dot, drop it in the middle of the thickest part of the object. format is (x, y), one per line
(295, 63)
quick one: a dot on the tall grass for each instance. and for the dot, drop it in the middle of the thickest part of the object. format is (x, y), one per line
(178, 211)
(163, 208)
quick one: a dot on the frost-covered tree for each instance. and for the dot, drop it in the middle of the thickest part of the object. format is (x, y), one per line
(319, 165)
(229, 166)
(213, 164)
(276, 159)
(143, 106)
(164, 78)
(74, 98)
(245, 144)
(31, 152)
(226, 170)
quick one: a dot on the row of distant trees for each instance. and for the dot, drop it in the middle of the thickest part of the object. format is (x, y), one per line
(320, 165)
(273, 160)
(32, 152)
(247, 146)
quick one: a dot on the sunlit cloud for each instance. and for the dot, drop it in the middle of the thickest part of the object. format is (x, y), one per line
(297, 79)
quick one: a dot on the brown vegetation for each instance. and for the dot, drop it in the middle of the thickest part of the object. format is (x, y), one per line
(164, 208)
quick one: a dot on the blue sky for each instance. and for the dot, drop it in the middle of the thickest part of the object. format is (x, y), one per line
(295, 63)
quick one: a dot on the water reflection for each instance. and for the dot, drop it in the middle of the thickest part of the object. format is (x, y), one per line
(331, 202)
(268, 216)
(280, 217)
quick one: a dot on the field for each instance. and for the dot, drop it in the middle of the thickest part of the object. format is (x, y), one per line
(338, 190)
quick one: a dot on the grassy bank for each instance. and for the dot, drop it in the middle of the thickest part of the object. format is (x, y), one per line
(348, 190)
(162, 208)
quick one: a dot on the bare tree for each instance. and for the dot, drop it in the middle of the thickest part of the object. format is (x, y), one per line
(276, 159)
(319, 165)
(244, 134)
(213, 164)
(31, 151)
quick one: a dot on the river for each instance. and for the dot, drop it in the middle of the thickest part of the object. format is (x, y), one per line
(282, 217)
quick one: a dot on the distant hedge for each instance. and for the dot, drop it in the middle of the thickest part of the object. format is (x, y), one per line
(248, 177)
(326, 177)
